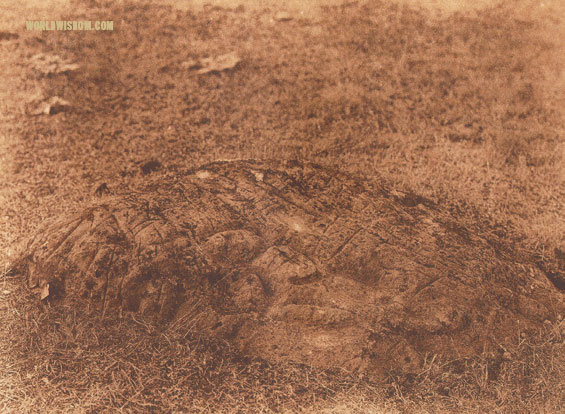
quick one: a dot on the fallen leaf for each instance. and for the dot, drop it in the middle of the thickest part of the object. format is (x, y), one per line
(191, 64)
(283, 16)
(51, 64)
(44, 292)
(52, 106)
(219, 63)
(32, 283)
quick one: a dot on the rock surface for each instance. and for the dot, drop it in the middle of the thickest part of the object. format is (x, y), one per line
(291, 261)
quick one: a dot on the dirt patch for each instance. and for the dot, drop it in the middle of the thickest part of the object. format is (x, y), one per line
(293, 262)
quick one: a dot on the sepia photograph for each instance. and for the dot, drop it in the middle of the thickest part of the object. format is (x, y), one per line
(301, 206)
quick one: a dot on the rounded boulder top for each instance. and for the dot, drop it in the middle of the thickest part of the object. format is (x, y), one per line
(290, 261)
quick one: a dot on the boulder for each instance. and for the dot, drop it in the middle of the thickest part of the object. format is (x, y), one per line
(290, 261)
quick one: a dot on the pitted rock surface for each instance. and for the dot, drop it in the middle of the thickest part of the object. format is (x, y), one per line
(291, 261)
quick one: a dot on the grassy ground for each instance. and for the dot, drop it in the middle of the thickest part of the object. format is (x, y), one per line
(466, 109)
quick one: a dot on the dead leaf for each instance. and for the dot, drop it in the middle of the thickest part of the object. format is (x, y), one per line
(51, 64)
(33, 282)
(191, 64)
(52, 106)
(44, 292)
(219, 63)
(283, 16)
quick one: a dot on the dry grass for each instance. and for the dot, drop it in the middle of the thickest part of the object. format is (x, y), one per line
(455, 107)
(64, 362)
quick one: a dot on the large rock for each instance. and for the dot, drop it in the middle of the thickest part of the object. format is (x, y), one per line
(295, 262)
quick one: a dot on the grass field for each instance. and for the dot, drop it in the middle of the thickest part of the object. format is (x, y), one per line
(465, 107)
